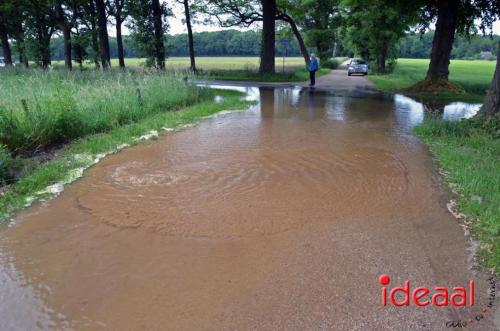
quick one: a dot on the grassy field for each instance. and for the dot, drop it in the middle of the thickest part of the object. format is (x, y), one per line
(220, 63)
(470, 155)
(231, 68)
(474, 76)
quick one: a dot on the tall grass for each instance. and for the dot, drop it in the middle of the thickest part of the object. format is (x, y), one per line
(40, 109)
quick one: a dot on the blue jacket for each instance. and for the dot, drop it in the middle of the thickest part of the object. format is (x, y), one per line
(313, 66)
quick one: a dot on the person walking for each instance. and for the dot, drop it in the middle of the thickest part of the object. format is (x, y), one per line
(313, 67)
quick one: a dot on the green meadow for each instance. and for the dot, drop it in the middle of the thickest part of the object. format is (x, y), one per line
(240, 68)
(474, 76)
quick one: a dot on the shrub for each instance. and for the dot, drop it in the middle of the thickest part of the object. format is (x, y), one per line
(330, 64)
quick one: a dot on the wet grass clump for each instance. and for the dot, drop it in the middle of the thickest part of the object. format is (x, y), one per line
(469, 153)
(42, 109)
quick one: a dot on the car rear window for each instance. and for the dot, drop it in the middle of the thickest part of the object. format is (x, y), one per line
(358, 62)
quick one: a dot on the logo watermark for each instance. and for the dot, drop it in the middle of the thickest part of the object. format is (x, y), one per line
(422, 296)
(439, 296)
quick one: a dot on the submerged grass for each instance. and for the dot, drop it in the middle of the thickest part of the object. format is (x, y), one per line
(470, 154)
(46, 179)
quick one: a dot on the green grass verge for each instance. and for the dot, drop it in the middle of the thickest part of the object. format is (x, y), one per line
(68, 163)
(474, 76)
(470, 156)
(299, 75)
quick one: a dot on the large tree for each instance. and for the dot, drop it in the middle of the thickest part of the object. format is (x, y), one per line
(319, 19)
(267, 48)
(374, 33)
(4, 38)
(102, 26)
(40, 27)
(244, 13)
(187, 18)
(159, 45)
(491, 106)
(119, 10)
(452, 17)
(147, 25)
(10, 19)
(63, 23)
(89, 21)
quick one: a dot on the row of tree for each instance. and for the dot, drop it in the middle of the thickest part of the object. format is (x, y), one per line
(32, 24)
(247, 43)
(416, 45)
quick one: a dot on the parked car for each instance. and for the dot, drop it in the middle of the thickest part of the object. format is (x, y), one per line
(357, 66)
(2, 62)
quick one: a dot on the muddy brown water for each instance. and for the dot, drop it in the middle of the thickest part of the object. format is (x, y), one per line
(280, 217)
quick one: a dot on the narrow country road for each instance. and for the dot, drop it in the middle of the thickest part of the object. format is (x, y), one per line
(280, 217)
(338, 80)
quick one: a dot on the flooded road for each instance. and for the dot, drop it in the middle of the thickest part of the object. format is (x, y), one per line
(281, 217)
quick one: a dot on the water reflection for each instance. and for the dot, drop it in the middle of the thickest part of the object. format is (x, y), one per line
(415, 112)
(23, 300)
(353, 106)
(458, 110)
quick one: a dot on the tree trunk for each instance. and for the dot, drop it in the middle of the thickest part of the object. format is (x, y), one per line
(21, 47)
(67, 47)
(7, 55)
(103, 33)
(94, 33)
(300, 40)
(491, 106)
(382, 57)
(119, 41)
(65, 28)
(79, 55)
(43, 36)
(443, 39)
(269, 11)
(158, 33)
(45, 52)
(190, 35)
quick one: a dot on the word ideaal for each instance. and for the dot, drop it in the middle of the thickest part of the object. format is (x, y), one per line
(440, 296)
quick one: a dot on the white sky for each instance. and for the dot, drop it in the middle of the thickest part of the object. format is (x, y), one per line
(177, 26)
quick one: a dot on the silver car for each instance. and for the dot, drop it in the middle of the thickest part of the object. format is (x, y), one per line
(357, 66)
